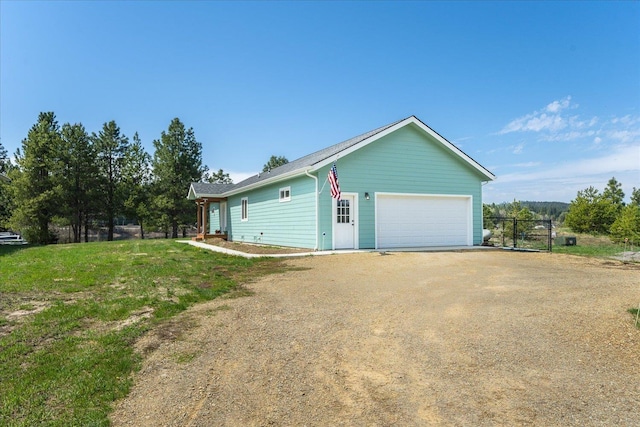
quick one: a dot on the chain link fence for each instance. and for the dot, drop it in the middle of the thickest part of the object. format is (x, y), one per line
(520, 233)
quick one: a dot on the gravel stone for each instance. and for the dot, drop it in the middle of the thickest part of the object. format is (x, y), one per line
(409, 339)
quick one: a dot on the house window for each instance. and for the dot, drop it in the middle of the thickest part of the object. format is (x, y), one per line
(343, 214)
(244, 216)
(285, 194)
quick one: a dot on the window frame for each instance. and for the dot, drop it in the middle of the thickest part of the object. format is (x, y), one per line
(281, 197)
(244, 209)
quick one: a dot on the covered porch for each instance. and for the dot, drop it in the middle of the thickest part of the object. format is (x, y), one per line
(211, 218)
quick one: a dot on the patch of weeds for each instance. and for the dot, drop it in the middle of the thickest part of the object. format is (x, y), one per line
(634, 312)
(184, 357)
(74, 354)
(239, 292)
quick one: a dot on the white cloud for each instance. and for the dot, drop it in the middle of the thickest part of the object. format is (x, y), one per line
(547, 119)
(553, 123)
(556, 106)
(518, 148)
(527, 165)
(623, 158)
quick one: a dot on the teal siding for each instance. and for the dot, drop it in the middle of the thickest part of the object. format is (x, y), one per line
(273, 222)
(214, 217)
(405, 161)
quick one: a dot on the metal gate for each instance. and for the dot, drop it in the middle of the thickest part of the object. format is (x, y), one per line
(522, 234)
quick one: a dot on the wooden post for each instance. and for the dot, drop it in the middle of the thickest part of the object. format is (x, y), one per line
(205, 213)
(199, 215)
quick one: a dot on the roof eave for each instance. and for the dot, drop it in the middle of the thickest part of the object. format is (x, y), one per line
(401, 124)
(275, 179)
(193, 195)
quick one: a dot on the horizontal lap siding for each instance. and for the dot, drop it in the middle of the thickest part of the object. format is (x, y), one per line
(281, 223)
(214, 217)
(405, 161)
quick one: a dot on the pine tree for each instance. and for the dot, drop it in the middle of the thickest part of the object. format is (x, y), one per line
(614, 193)
(78, 179)
(36, 196)
(219, 177)
(136, 176)
(274, 162)
(177, 162)
(110, 147)
(6, 199)
(627, 225)
(591, 212)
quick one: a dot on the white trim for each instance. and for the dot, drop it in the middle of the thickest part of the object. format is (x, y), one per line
(287, 191)
(354, 215)
(315, 178)
(468, 197)
(394, 128)
(243, 217)
(315, 167)
(268, 181)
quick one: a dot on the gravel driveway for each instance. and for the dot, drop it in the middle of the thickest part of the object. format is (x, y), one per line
(406, 339)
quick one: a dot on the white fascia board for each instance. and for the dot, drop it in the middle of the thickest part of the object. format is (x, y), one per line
(425, 128)
(193, 195)
(277, 178)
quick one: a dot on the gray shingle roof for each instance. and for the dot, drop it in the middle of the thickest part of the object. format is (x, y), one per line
(310, 160)
(208, 189)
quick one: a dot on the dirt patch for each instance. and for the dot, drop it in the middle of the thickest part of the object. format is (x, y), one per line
(251, 248)
(469, 338)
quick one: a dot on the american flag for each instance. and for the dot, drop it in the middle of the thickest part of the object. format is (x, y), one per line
(333, 180)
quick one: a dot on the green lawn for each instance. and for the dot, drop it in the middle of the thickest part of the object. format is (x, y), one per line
(66, 311)
(589, 245)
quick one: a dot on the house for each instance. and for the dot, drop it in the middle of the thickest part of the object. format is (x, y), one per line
(402, 185)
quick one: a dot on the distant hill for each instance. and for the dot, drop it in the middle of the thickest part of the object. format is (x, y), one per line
(548, 210)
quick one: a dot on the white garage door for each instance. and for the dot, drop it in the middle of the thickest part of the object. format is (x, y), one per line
(420, 221)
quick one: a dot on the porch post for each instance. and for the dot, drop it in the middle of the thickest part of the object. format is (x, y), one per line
(205, 213)
(199, 215)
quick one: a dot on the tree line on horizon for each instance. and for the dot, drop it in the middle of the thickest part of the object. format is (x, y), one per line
(66, 177)
(592, 212)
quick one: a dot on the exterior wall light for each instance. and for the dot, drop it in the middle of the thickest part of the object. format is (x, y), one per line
(366, 196)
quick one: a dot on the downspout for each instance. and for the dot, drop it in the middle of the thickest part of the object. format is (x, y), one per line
(315, 178)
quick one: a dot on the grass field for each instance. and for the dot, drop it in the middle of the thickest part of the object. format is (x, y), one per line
(70, 314)
(589, 245)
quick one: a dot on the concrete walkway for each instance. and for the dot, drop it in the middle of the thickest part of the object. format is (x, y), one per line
(333, 252)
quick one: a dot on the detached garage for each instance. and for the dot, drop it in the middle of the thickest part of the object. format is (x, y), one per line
(401, 185)
(422, 220)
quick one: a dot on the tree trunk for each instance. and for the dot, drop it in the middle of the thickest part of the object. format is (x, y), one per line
(141, 231)
(174, 229)
(111, 226)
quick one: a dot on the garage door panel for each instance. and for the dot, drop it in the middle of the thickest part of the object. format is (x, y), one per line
(414, 221)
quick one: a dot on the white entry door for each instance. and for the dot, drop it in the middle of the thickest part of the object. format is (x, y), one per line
(345, 225)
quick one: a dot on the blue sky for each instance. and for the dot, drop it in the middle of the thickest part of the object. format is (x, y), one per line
(546, 95)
